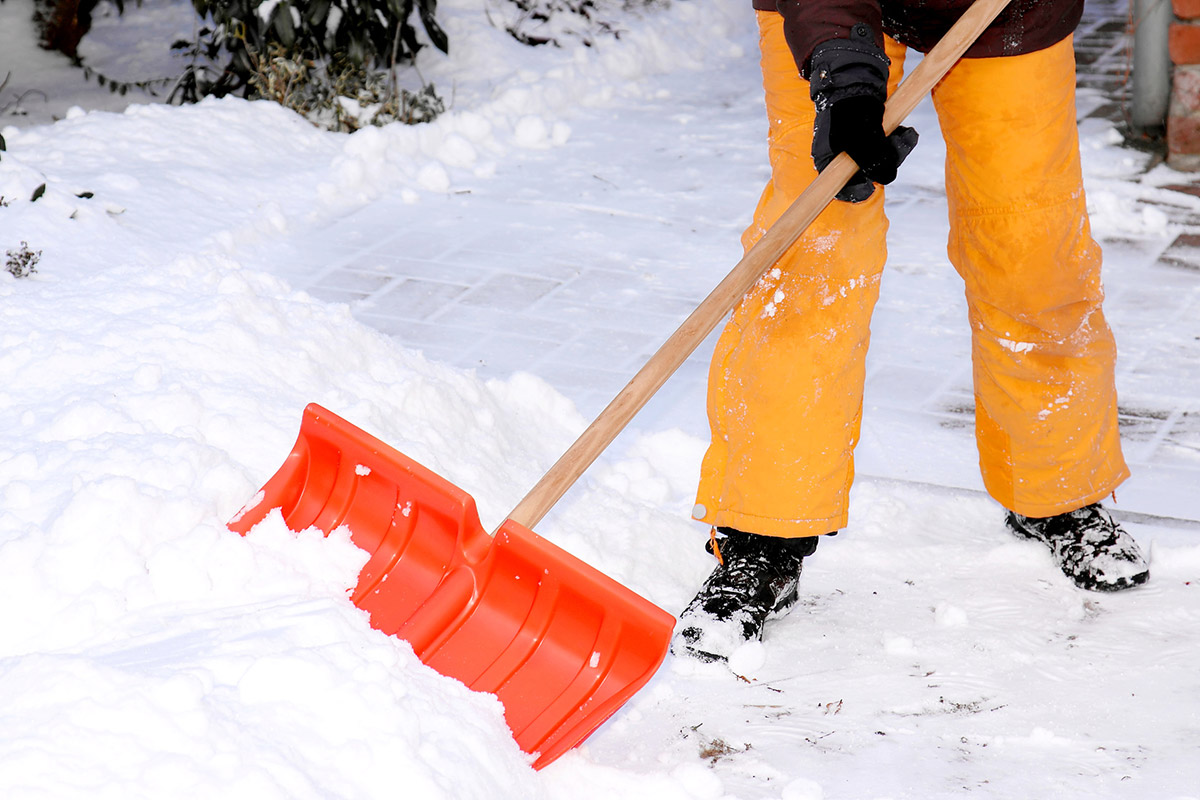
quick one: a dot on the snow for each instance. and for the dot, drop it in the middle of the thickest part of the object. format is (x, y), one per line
(155, 366)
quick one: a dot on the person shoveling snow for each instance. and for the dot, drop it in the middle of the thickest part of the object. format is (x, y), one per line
(786, 381)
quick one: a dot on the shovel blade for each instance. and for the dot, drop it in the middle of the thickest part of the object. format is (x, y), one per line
(562, 645)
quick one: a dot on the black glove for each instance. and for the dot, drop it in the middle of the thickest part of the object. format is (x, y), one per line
(848, 83)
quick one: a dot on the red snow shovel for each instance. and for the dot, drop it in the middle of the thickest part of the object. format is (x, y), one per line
(562, 645)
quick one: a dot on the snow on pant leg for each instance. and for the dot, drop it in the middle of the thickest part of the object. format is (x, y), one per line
(786, 379)
(1045, 401)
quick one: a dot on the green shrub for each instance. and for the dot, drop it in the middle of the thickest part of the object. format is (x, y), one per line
(367, 34)
(337, 94)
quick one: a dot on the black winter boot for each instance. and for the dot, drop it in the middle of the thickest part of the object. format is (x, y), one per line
(1090, 548)
(755, 579)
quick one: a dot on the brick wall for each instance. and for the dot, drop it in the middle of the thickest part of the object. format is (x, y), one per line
(1183, 115)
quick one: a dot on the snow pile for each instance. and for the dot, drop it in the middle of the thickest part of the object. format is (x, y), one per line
(247, 676)
(155, 649)
(153, 382)
(496, 108)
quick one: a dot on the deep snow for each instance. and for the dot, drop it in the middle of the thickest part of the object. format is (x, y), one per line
(155, 366)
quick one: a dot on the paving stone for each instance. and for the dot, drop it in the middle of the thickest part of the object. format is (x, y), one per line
(1140, 431)
(334, 294)
(892, 386)
(411, 298)
(605, 349)
(508, 292)
(358, 282)
(500, 353)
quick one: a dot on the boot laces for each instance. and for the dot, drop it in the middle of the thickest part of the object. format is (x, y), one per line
(750, 577)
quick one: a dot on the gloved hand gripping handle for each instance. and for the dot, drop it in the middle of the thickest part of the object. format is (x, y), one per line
(848, 85)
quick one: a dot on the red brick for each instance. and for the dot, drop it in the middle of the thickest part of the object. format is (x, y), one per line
(1185, 89)
(1183, 135)
(1183, 43)
(1186, 9)
(1183, 116)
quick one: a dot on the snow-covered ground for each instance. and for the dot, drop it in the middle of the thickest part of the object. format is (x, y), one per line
(155, 365)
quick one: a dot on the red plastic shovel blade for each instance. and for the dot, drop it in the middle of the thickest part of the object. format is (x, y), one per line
(561, 644)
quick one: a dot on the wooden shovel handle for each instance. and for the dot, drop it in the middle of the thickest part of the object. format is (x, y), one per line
(761, 257)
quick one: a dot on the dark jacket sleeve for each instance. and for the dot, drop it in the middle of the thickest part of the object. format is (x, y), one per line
(1024, 26)
(807, 23)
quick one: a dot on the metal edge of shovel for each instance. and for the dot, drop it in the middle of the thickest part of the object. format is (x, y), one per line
(561, 644)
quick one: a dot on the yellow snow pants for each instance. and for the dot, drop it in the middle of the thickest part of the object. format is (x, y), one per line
(786, 380)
